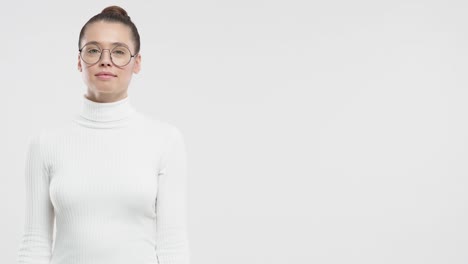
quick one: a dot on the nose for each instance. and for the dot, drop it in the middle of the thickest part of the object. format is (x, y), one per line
(105, 58)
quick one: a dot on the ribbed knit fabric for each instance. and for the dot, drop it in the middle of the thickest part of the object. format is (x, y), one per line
(115, 182)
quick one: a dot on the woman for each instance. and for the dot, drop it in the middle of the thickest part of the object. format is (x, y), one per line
(113, 179)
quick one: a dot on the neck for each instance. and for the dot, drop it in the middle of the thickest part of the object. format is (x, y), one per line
(105, 97)
(105, 115)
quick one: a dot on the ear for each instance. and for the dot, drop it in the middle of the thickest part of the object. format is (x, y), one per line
(79, 64)
(137, 65)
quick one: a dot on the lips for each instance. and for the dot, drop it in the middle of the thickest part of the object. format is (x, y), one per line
(105, 74)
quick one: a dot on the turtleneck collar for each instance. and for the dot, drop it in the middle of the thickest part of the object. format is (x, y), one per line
(105, 115)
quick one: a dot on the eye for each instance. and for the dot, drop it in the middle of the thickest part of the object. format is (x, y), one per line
(93, 51)
(120, 51)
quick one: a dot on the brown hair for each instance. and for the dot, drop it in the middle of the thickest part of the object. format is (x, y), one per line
(114, 14)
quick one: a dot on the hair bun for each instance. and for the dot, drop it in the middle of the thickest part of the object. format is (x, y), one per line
(115, 10)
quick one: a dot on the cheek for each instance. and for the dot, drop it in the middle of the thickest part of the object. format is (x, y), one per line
(87, 73)
(126, 74)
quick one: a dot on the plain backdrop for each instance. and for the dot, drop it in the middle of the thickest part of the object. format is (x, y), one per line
(317, 131)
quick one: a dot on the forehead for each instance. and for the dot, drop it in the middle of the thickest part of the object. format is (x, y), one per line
(108, 33)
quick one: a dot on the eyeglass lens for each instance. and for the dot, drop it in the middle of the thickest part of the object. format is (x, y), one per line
(120, 55)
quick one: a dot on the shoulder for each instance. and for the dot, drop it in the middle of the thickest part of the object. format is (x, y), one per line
(161, 128)
(49, 134)
(40, 139)
(58, 130)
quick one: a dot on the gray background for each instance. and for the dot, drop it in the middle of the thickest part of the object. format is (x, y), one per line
(317, 131)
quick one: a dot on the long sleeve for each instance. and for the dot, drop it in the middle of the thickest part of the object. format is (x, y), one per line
(172, 244)
(36, 243)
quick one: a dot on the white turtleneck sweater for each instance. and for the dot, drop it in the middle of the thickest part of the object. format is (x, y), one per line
(115, 182)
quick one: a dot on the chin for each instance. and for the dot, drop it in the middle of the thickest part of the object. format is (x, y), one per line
(103, 89)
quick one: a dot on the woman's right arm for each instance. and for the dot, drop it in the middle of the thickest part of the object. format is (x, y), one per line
(36, 243)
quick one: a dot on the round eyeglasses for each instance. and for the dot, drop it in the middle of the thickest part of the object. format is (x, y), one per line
(92, 53)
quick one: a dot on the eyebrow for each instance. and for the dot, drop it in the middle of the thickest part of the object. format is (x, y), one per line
(113, 43)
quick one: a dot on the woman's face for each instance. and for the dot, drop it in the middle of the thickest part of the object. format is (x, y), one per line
(104, 77)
